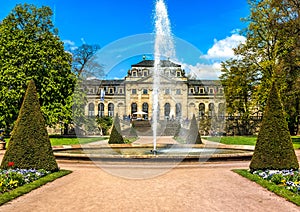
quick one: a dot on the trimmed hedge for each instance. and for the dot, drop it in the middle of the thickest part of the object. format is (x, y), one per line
(29, 146)
(274, 147)
(194, 135)
(116, 136)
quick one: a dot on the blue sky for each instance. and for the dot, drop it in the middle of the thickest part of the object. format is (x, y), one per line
(210, 26)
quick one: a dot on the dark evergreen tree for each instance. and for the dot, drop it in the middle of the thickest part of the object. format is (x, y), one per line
(194, 135)
(29, 146)
(274, 147)
(116, 136)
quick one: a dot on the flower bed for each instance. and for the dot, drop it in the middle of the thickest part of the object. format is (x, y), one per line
(13, 178)
(288, 179)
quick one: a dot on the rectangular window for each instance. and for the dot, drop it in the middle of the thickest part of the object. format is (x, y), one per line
(178, 74)
(178, 91)
(120, 90)
(211, 90)
(145, 73)
(111, 90)
(133, 91)
(167, 91)
(201, 90)
(192, 90)
(145, 91)
(134, 74)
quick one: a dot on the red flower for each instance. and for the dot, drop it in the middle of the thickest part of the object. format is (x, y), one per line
(11, 164)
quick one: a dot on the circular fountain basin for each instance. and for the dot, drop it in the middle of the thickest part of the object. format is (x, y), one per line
(146, 152)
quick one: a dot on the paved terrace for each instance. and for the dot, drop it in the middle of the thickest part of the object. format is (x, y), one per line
(188, 187)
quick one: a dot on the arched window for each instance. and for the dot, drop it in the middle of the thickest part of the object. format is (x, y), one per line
(178, 110)
(111, 109)
(91, 109)
(145, 107)
(201, 109)
(211, 109)
(101, 110)
(133, 108)
(167, 110)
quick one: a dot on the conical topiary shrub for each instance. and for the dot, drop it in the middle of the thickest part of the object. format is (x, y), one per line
(274, 147)
(132, 131)
(115, 135)
(194, 135)
(29, 146)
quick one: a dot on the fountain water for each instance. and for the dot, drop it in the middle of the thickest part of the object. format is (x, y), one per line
(163, 47)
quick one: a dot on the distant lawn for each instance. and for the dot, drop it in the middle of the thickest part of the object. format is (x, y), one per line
(246, 140)
(72, 141)
(234, 140)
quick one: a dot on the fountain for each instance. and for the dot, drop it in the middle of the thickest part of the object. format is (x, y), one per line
(163, 47)
(171, 154)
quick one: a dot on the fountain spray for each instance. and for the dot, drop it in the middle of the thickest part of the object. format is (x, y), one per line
(163, 48)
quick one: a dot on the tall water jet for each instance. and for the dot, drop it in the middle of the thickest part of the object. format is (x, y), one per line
(163, 48)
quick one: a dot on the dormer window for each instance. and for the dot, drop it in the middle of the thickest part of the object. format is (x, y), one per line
(134, 73)
(120, 90)
(192, 90)
(111, 90)
(211, 90)
(178, 74)
(145, 73)
(201, 90)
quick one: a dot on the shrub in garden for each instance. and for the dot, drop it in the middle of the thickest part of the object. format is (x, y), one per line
(29, 146)
(274, 147)
(115, 135)
(194, 135)
(132, 131)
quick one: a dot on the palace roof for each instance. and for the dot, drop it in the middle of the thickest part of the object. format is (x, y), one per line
(150, 63)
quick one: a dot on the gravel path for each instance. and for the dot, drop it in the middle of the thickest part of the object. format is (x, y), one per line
(190, 187)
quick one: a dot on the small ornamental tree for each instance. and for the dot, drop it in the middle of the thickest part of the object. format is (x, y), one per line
(29, 146)
(194, 135)
(115, 135)
(274, 147)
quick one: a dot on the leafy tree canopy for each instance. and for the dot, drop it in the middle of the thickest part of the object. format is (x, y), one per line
(271, 51)
(31, 49)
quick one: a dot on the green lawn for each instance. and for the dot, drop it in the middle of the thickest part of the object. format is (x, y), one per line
(72, 141)
(277, 189)
(7, 196)
(246, 140)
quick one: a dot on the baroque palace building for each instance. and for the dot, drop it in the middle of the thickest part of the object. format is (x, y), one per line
(132, 97)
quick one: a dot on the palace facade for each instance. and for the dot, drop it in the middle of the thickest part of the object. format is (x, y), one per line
(132, 97)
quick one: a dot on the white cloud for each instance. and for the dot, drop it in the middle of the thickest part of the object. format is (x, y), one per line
(203, 71)
(222, 49)
(70, 44)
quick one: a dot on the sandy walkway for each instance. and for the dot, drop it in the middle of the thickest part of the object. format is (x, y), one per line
(211, 187)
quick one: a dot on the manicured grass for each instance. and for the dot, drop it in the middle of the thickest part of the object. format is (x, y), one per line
(72, 141)
(296, 142)
(246, 140)
(279, 190)
(7, 196)
(237, 140)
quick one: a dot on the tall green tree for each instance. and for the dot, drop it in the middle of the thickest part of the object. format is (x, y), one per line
(271, 51)
(30, 48)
